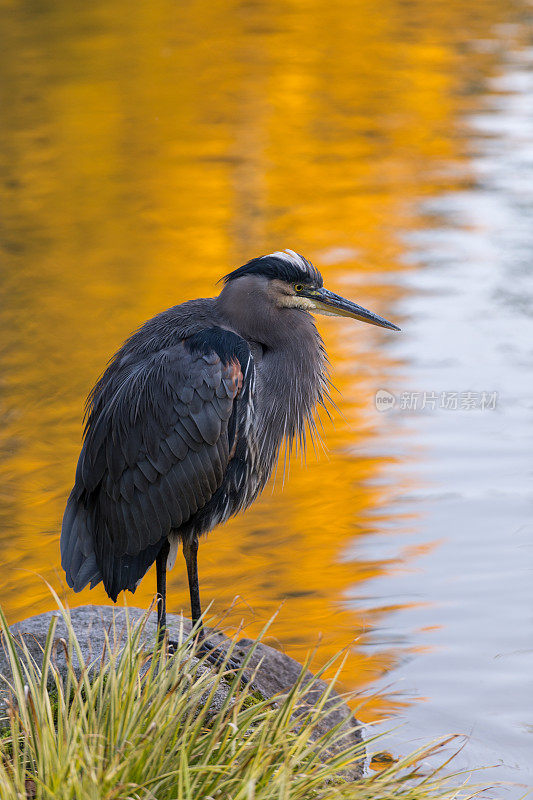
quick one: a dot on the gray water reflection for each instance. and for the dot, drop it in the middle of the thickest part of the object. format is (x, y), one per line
(470, 328)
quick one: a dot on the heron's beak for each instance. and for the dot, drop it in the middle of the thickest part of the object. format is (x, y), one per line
(327, 302)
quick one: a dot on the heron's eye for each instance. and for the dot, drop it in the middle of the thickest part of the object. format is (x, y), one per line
(298, 287)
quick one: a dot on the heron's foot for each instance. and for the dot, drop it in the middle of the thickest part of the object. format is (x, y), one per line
(217, 656)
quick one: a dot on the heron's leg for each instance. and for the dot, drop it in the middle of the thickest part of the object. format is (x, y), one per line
(190, 551)
(215, 655)
(161, 572)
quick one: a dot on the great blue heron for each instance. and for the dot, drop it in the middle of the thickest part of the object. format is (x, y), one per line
(185, 425)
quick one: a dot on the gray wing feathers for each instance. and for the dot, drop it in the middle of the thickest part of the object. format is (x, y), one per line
(155, 451)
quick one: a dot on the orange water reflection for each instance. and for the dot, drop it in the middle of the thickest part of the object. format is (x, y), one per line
(145, 154)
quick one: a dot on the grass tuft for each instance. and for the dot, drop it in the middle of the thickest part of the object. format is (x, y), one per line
(139, 726)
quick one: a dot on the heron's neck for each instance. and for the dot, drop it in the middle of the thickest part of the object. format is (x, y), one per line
(291, 381)
(291, 372)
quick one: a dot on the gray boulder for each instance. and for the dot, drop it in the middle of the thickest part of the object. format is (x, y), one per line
(277, 673)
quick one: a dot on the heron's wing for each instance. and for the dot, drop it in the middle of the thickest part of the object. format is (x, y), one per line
(159, 438)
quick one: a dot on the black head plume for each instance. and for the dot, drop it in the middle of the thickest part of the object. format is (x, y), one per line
(286, 265)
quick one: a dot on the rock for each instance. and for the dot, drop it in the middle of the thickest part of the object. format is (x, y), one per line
(276, 674)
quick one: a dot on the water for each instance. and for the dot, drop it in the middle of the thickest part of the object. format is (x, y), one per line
(145, 155)
(471, 314)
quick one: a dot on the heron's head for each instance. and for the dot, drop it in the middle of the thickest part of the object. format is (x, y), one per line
(286, 280)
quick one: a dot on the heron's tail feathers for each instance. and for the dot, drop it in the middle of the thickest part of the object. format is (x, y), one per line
(117, 570)
(78, 558)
